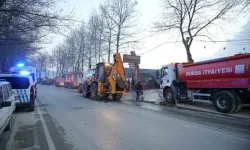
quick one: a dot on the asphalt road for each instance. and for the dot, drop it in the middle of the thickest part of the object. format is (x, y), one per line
(64, 120)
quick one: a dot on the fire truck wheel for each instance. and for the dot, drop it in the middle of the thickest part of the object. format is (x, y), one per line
(85, 92)
(238, 102)
(168, 95)
(224, 101)
(94, 91)
(117, 96)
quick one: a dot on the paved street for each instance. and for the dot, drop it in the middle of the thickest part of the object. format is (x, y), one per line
(64, 120)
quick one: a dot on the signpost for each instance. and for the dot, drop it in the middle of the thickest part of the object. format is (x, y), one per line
(133, 60)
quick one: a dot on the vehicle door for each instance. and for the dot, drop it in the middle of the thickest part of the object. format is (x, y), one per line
(165, 76)
(4, 114)
(2, 110)
(21, 87)
(11, 99)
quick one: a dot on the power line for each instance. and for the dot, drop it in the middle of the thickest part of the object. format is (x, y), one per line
(159, 46)
(196, 40)
(221, 41)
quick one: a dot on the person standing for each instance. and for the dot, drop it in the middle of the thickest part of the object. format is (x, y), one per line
(128, 81)
(133, 83)
(138, 89)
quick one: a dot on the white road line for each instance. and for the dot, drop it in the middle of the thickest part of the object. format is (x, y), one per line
(46, 131)
(10, 142)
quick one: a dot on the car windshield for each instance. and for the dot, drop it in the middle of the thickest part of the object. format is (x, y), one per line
(17, 82)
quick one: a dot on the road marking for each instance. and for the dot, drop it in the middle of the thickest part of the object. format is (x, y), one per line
(46, 131)
(10, 142)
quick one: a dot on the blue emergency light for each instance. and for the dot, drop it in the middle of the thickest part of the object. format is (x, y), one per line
(20, 65)
(24, 72)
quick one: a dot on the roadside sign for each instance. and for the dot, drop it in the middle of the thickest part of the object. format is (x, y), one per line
(131, 58)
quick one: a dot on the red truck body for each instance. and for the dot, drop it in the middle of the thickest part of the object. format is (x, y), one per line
(59, 81)
(73, 79)
(228, 72)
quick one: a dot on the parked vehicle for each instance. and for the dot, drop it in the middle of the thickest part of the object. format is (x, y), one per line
(59, 81)
(26, 70)
(72, 79)
(108, 79)
(223, 81)
(23, 89)
(87, 76)
(7, 106)
(48, 81)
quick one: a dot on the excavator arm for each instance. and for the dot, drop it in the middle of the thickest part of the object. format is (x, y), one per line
(117, 75)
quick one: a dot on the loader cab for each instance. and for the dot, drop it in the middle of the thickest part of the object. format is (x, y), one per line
(102, 71)
(168, 75)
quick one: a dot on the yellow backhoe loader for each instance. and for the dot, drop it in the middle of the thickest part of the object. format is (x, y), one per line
(108, 79)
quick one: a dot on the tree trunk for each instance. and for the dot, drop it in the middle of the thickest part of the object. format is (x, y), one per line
(82, 63)
(109, 50)
(189, 55)
(95, 47)
(118, 39)
(89, 63)
(100, 46)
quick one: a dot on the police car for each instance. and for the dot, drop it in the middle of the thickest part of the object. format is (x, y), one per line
(23, 89)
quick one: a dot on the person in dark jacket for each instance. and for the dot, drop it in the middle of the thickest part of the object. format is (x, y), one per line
(133, 83)
(138, 89)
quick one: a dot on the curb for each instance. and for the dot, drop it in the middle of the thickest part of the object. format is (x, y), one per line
(177, 106)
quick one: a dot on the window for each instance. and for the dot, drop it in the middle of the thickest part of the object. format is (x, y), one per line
(9, 89)
(17, 82)
(164, 72)
(1, 93)
(33, 76)
(5, 92)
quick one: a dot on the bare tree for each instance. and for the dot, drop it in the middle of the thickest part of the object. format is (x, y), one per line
(25, 23)
(191, 17)
(246, 4)
(91, 42)
(109, 26)
(123, 14)
(82, 40)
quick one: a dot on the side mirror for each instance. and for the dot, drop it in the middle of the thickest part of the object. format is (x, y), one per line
(5, 104)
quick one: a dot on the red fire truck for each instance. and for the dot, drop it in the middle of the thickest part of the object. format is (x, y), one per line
(59, 81)
(72, 79)
(223, 81)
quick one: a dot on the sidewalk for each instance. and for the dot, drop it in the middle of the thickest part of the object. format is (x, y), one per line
(152, 96)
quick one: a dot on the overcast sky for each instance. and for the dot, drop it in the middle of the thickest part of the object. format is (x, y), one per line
(171, 52)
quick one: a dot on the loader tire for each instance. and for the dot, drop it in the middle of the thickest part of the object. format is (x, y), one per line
(85, 92)
(224, 101)
(105, 97)
(94, 91)
(117, 97)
